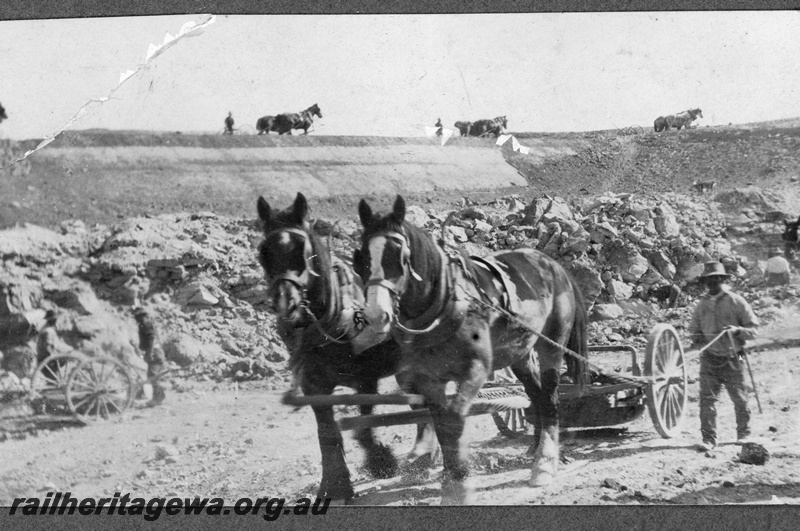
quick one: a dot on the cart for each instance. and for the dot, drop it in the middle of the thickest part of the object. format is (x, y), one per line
(90, 388)
(612, 398)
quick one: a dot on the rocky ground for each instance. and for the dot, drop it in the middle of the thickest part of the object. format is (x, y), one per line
(222, 431)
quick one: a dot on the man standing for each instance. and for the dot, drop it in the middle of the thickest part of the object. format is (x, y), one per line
(153, 354)
(777, 269)
(720, 362)
(229, 124)
(48, 343)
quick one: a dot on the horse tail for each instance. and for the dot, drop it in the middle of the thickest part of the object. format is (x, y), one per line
(577, 368)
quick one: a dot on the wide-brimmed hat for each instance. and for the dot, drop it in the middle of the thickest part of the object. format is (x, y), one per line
(714, 269)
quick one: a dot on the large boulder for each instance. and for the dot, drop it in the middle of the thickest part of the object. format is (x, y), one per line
(546, 209)
(625, 259)
(606, 312)
(416, 216)
(587, 278)
(185, 350)
(666, 221)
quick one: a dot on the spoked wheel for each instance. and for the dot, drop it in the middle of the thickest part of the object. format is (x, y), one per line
(666, 395)
(48, 391)
(99, 388)
(511, 423)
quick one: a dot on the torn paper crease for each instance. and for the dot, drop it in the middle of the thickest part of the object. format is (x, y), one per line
(189, 29)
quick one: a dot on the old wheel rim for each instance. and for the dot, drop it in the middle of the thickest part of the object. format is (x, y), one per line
(98, 389)
(667, 394)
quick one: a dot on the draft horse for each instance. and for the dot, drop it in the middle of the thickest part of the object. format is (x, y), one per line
(681, 119)
(486, 127)
(265, 124)
(458, 318)
(318, 301)
(284, 123)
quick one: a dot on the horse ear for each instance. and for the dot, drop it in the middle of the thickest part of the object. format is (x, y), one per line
(399, 209)
(300, 208)
(364, 213)
(264, 211)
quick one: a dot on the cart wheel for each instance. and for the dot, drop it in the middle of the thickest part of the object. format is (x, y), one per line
(49, 383)
(98, 388)
(511, 423)
(666, 395)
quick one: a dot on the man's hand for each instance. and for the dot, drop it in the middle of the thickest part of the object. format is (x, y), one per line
(733, 329)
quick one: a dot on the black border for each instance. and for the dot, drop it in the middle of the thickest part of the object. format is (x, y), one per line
(573, 518)
(33, 9)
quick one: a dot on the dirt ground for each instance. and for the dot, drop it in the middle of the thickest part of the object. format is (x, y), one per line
(236, 440)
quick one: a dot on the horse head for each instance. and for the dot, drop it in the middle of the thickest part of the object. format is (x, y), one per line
(287, 255)
(790, 232)
(314, 111)
(696, 113)
(502, 120)
(391, 253)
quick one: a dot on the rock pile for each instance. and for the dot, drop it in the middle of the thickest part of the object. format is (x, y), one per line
(197, 273)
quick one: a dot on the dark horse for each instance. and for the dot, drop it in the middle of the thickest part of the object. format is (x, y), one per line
(284, 123)
(459, 318)
(316, 298)
(681, 119)
(489, 127)
(463, 127)
(791, 238)
(265, 124)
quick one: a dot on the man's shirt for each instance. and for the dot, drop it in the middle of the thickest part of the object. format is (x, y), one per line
(715, 312)
(777, 265)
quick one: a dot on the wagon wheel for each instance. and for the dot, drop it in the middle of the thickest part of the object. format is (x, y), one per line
(49, 383)
(99, 388)
(510, 423)
(638, 130)
(666, 394)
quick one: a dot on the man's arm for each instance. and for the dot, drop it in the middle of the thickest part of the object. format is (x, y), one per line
(748, 321)
(695, 332)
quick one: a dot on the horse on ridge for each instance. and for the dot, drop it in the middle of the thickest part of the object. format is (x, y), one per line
(681, 119)
(284, 123)
(486, 127)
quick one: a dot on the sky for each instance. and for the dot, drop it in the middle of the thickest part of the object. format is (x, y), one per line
(391, 75)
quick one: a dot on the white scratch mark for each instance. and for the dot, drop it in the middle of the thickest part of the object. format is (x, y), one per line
(189, 29)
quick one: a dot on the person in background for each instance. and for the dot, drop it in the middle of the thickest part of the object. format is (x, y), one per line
(438, 127)
(48, 343)
(153, 354)
(777, 270)
(229, 124)
(720, 362)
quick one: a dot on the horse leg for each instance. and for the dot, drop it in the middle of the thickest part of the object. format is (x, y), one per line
(425, 451)
(381, 462)
(528, 374)
(336, 481)
(449, 420)
(545, 458)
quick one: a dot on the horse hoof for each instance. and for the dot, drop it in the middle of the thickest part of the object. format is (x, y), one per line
(541, 479)
(457, 493)
(381, 463)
